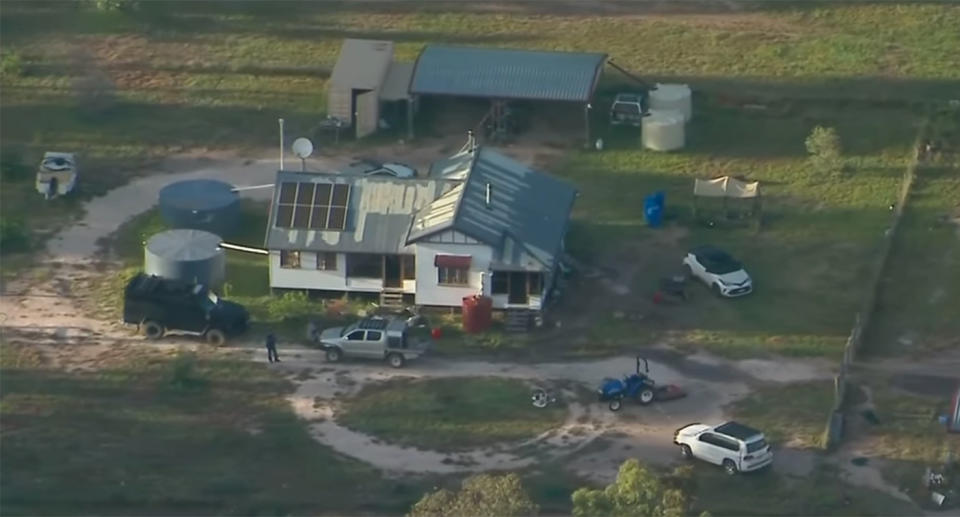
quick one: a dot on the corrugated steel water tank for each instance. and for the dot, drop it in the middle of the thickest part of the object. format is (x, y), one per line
(663, 130)
(672, 97)
(477, 313)
(187, 255)
(207, 205)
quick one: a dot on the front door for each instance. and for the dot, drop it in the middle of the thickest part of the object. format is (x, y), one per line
(392, 271)
(368, 113)
(518, 288)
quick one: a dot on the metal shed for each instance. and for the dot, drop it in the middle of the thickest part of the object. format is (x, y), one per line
(506, 74)
(355, 84)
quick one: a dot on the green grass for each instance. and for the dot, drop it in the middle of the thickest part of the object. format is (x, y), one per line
(790, 414)
(908, 429)
(766, 493)
(449, 414)
(193, 435)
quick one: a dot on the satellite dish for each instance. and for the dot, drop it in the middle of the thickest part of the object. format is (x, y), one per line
(302, 148)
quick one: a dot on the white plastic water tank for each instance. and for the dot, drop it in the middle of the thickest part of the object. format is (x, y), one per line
(663, 130)
(674, 97)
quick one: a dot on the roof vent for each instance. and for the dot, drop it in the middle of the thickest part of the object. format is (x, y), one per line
(489, 195)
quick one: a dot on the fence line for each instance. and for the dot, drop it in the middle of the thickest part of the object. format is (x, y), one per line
(861, 322)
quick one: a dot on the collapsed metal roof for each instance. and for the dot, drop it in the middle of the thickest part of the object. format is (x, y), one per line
(506, 74)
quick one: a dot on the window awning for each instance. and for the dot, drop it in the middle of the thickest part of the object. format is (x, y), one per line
(454, 261)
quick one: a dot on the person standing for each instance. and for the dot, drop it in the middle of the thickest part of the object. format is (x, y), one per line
(272, 356)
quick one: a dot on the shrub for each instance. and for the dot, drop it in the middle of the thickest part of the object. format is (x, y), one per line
(823, 145)
(13, 235)
(11, 64)
(183, 373)
(12, 167)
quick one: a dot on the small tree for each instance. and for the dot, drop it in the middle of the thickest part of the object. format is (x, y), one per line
(823, 145)
(483, 495)
(637, 492)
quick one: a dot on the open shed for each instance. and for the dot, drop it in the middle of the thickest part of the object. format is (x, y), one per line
(364, 77)
(503, 75)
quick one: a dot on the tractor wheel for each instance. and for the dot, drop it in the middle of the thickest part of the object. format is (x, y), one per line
(646, 396)
(686, 452)
(153, 330)
(395, 360)
(615, 404)
(730, 467)
(334, 355)
(216, 337)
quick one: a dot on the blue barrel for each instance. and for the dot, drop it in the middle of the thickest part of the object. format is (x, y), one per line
(653, 208)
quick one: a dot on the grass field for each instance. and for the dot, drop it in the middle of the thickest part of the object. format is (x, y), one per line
(792, 414)
(189, 435)
(449, 414)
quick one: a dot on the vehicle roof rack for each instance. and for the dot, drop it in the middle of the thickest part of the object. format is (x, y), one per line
(737, 430)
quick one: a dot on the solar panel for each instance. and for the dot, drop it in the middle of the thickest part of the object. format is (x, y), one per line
(314, 206)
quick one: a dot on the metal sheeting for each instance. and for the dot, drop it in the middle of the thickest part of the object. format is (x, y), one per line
(396, 86)
(378, 214)
(362, 64)
(524, 221)
(726, 187)
(455, 167)
(187, 255)
(506, 74)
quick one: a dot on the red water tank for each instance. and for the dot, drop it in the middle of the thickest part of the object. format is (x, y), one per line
(477, 313)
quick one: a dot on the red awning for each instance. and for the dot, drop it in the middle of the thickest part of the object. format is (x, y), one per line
(454, 261)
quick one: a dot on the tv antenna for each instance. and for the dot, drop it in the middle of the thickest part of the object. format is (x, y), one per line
(303, 148)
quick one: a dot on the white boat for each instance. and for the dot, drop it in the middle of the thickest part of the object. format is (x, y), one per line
(57, 174)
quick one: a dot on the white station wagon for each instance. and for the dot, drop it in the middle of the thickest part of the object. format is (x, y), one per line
(734, 446)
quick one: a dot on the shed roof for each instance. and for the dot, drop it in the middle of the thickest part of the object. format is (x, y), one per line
(396, 86)
(506, 74)
(378, 214)
(362, 64)
(526, 218)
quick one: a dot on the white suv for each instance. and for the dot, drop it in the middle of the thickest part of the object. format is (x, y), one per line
(721, 272)
(735, 447)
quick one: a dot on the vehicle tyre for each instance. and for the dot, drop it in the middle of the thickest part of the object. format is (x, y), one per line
(615, 404)
(730, 467)
(334, 355)
(716, 290)
(646, 396)
(395, 360)
(153, 330)
(686, 452)
(216, 337)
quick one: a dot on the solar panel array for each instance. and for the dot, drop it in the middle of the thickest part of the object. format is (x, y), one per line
(312, 206)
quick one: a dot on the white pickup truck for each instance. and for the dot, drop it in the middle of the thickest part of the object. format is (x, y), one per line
(735, 447)
(387, 339)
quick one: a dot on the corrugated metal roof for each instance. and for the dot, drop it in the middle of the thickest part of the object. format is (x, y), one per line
(525, 220)
(455, 167)
(378, 214)
(506, 74)
(362, 64)
(396, 86)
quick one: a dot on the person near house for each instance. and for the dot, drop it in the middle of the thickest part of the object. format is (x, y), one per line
(272, 356)
(313, 332)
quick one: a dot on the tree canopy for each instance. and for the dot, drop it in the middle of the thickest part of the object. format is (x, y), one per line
(483, 495)
(637, 492)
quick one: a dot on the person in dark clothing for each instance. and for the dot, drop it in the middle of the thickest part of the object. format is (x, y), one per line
(272, 356)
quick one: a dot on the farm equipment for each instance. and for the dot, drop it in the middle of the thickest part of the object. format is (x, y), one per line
(638, 386)
(542, 398)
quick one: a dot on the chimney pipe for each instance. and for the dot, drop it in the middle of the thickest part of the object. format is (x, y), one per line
(489, 194)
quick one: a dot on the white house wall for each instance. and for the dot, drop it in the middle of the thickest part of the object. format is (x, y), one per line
(307, 276)
(429, 292)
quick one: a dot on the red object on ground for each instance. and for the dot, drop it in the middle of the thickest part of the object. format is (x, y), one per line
(477, 313)
(670, 392)
(436, 333)
(657, 297)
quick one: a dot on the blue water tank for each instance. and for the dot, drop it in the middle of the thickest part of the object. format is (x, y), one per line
(207, 205)
(653, 208)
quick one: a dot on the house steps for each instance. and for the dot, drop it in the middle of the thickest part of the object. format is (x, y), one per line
(518, 320)
(391, 300)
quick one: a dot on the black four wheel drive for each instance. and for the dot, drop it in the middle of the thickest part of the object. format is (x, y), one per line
(157, 304)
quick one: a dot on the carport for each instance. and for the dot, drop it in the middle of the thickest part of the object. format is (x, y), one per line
(503, 75)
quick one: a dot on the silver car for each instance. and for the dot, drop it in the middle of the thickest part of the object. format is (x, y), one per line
(380, 338)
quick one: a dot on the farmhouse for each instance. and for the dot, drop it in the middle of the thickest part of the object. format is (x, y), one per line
(481, 223)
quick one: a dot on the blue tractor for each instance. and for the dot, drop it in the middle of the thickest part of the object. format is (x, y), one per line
(638, 386)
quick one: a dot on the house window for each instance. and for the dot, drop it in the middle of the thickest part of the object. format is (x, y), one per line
(500, 283)
(409, 265)
(365, 265)
(326, 261)
(289, 259)
(534, 283)
(452, 275)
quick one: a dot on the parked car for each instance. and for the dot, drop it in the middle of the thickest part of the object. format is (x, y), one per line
(158, 304)
(628, 108)
(374, 168)
(734, 446)
(719, 270)
(377, 337)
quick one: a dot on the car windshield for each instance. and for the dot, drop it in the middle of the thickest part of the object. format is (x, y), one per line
(627, 109)
(757, 445)
(348, 329)
(720, 263)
